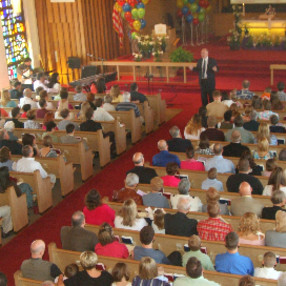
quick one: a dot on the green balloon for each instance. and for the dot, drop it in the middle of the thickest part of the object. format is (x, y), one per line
(134, 13)
(134, 35)
(141, 13)
(194, 7)
(201, 17)
(185, 2)
(122, 14)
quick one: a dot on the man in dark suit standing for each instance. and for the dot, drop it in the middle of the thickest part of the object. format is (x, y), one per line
(207, 67)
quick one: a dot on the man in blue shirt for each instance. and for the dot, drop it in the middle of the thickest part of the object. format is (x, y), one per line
(164, 157)
(245, 93)
(221, 164)
(232, 262)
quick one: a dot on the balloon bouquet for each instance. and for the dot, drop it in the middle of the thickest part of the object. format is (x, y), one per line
(194, 13)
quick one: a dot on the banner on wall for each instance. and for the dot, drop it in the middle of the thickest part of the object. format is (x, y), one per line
(258, 1)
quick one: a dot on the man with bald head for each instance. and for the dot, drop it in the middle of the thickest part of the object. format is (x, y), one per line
(245, 203)
(27, 99)
(164, 157)
(145, 174)
(235, 148)
(206, 67)
(36, 268)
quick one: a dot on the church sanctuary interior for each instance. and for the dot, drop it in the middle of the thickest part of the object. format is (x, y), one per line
(142, 142)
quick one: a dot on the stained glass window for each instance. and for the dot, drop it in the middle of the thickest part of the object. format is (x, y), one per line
(14, 37)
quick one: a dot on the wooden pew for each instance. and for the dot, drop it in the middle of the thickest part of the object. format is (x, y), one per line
(132, 123)
(169, 243)
(57, 166)
(19, 280)
(233, 220)
(197, 177)
(41, 187)
(64, 257)
(265, 200)
(159, 106)
(18, 205)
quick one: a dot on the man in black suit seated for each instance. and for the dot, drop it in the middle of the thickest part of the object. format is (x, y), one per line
(77, 238)
(179, 224)
(177, 143)
(278, 200)
(145, 174)
(13, 145)
(235, 148)
(15, 117)
(207, 67)
(136, 96)
(275, 127)
(252, 124)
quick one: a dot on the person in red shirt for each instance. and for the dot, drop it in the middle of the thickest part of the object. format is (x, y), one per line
(95, 211)
(108, 245)
(214, 228)
(191, 163)
(25, 108)
(171, 180)
(42, 111)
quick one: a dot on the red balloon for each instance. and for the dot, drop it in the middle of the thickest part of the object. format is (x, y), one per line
(132, 3)
(128, 16)
(179, 13)
(196, 21)
(121, 2)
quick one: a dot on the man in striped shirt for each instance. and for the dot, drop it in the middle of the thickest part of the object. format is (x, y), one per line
(127, 105)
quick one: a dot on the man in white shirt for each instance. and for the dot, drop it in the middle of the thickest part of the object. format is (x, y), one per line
(221, 164)
(100, 114)
(40, 82)
(27, 99)
(28, 164)
(268, 271)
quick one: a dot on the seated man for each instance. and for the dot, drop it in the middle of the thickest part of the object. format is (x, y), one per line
(145, 174)
(221, 164)
(14, 147)
(278, 200)
(281, 93)
(235, 148)
(194, 269)
(232, 262)
(36, 268)
(155, 198)
(127, 105)
(214, 228)
(164, 157)
(212, 132)
(16, 92)
(179, 224)
(27, 99)
(251, 123)
(184, 192)
(233, 182)
(65, 113)
(212, 181)
(89, 124)
(177, 143)
(7, 223)
(79, 96)
(191, 163)
(245, 93)
(28, 164)
(70, 138)
(100, 114)
(15, 112)
(136, 96)
(245, 203)
(77, 238)
(275, 126)
(216, 108)
(129, 191)
(146, 248)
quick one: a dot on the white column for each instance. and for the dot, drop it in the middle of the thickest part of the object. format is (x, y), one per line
(31, 24)
(4, 79)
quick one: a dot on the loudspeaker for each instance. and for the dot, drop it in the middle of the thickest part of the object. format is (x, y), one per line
(88, 71)
(74, 63)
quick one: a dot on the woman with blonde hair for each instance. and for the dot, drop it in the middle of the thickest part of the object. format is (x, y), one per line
(263, 151)
(121, 275)
(128, 217)
(6, 99)
(115, 93)
(277, 181)
(194, 128)
(277, 237)
(158, 222)
(249, 230)
(83, 109)
(264, 132)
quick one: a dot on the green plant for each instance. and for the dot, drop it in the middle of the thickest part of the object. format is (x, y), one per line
(181, 56)
(235, 34)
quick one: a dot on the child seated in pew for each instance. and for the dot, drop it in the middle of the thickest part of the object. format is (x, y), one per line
(269, 167)
(70, 271)
(25, 109)
(79, 96)
(121, 275)
(268, 270)
(212, 181)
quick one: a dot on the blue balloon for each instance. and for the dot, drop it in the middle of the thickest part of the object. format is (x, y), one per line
(140, 5)
(185, 10)
(189, 18)
(143, 23)
(126, 7)
(192, 1)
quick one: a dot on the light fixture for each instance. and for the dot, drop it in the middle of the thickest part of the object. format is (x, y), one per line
(17, 6)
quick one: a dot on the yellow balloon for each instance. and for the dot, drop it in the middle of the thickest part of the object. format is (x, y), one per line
(119, 8)
(145, 2)
(180, 4)
(137, 25)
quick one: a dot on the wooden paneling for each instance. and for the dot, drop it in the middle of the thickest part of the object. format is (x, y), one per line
(76, 29)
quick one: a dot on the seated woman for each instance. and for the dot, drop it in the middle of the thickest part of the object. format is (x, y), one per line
(191, 163)
(50, 130)
(116, 94)
(6, 99)
(20, 188)
(5, 158)
(170, 180)
(108, 245)
(203, 116)
(267, 112)
(128, 217)
(29, 139)
(263, 151)
(31, 123)
(48, 151)
(277, 237)
(213, 197)
(158, 222)
(148, 274)
(49, 116)
(63, 103)
(277, 181)
(264, 132)
(255, 169)
(53, 84)
(83, 109)
(91, 100)
(9, 127)
(249, 230)
(121, 275)
(278, 200)
(256, 102)
(100, 87)
(107, 103)
(269, 167)
(95, 211)
(194, 128)
(204, 146)
(90, 275)
(25, 109)
(100, 114)
(44, 95)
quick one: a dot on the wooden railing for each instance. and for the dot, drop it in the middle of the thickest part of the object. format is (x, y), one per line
(150, 65)
(275, 67)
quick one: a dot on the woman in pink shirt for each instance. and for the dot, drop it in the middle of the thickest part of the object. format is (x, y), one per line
(171, 180)
(191, 163)
(95, 211)
(108, 245)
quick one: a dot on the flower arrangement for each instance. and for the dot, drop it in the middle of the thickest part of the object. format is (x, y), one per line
(235, 34)
(264, 41)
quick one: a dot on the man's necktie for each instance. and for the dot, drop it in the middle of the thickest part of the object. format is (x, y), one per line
(204, 68)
